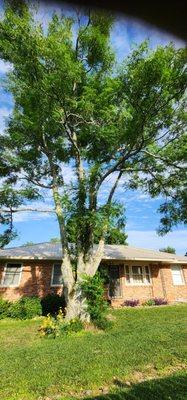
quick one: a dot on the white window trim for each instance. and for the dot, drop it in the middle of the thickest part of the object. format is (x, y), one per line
(4, 274)
(132, 283)
(181, 274)
(52, 284)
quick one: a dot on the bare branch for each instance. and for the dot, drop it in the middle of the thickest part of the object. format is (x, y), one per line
(114, 187)
(6, 210)
(91, 122)
(120, 162)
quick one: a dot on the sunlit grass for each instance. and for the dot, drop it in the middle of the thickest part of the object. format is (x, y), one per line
(142, 344)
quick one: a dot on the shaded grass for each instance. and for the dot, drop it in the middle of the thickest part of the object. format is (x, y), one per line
(169, 388)
(142, 342)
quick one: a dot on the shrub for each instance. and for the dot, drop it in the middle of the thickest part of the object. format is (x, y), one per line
(31, 306)
(131, 303)
(16, 310)
(160, 301)
(49, 326)
(25, 308)
(52, 303)
(103, 323)
(156, 301)
(74, 325)
(93, 290)
(149, 302)
(4, 308)
(52, 326)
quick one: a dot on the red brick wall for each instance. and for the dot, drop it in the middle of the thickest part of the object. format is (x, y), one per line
(161, 286)
(174, 292)
(36, 280)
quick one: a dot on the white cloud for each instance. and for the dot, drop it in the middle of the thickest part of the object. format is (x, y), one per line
(26, 216)
(4, 114)
(5, 67)
(150, 240)
(31, 216)
(68, 173)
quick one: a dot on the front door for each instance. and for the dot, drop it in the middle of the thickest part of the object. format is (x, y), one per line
(114, 281)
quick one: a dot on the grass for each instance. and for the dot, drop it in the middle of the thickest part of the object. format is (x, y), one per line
(141, 357)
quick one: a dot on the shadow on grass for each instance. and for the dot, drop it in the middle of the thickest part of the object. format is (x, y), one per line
(170, 388)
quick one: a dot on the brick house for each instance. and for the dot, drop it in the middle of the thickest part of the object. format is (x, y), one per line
(134, 273)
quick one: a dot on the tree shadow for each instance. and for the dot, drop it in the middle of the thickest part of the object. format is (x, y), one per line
(170, 388)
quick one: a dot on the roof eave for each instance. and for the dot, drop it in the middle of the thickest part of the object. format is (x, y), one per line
(164, 261)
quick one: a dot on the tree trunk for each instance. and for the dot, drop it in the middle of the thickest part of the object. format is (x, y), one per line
(76, 305)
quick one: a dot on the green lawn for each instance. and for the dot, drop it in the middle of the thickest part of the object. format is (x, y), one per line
(142, 357)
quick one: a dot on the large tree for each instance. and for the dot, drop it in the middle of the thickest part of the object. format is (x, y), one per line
(72, 106)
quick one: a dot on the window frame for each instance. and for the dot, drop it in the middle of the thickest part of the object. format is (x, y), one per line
(4, 275)
(132, 283)
(181, 275)
(52, 275)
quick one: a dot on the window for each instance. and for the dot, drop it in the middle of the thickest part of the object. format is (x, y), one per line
(177, 275)
(137, 275)
(12, 275)
(56, 275)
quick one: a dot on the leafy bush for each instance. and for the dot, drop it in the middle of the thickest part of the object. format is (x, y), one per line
(52, 326)
(160, 301)
(156, 301)
(49, 326)
(103, 323)
(31, 306)
(52, 303)
(131, 303)
(4, 308)
(16, 310)
(25, 308)
(93, 290)
(149, 302)
(74, 325)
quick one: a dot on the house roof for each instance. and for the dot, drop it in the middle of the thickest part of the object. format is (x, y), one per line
(53, 251)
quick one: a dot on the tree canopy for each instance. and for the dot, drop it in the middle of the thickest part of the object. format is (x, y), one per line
(74, 107)
(168, 249)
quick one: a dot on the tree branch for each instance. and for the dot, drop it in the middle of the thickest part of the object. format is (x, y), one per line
(114, 188)
(124, 158)
(162, 159)
(6, 210)
(36, 182)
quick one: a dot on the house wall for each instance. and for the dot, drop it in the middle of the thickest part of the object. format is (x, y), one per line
(36, 280)
(161, 285)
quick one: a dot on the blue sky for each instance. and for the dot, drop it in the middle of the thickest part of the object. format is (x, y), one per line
(141, 211)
